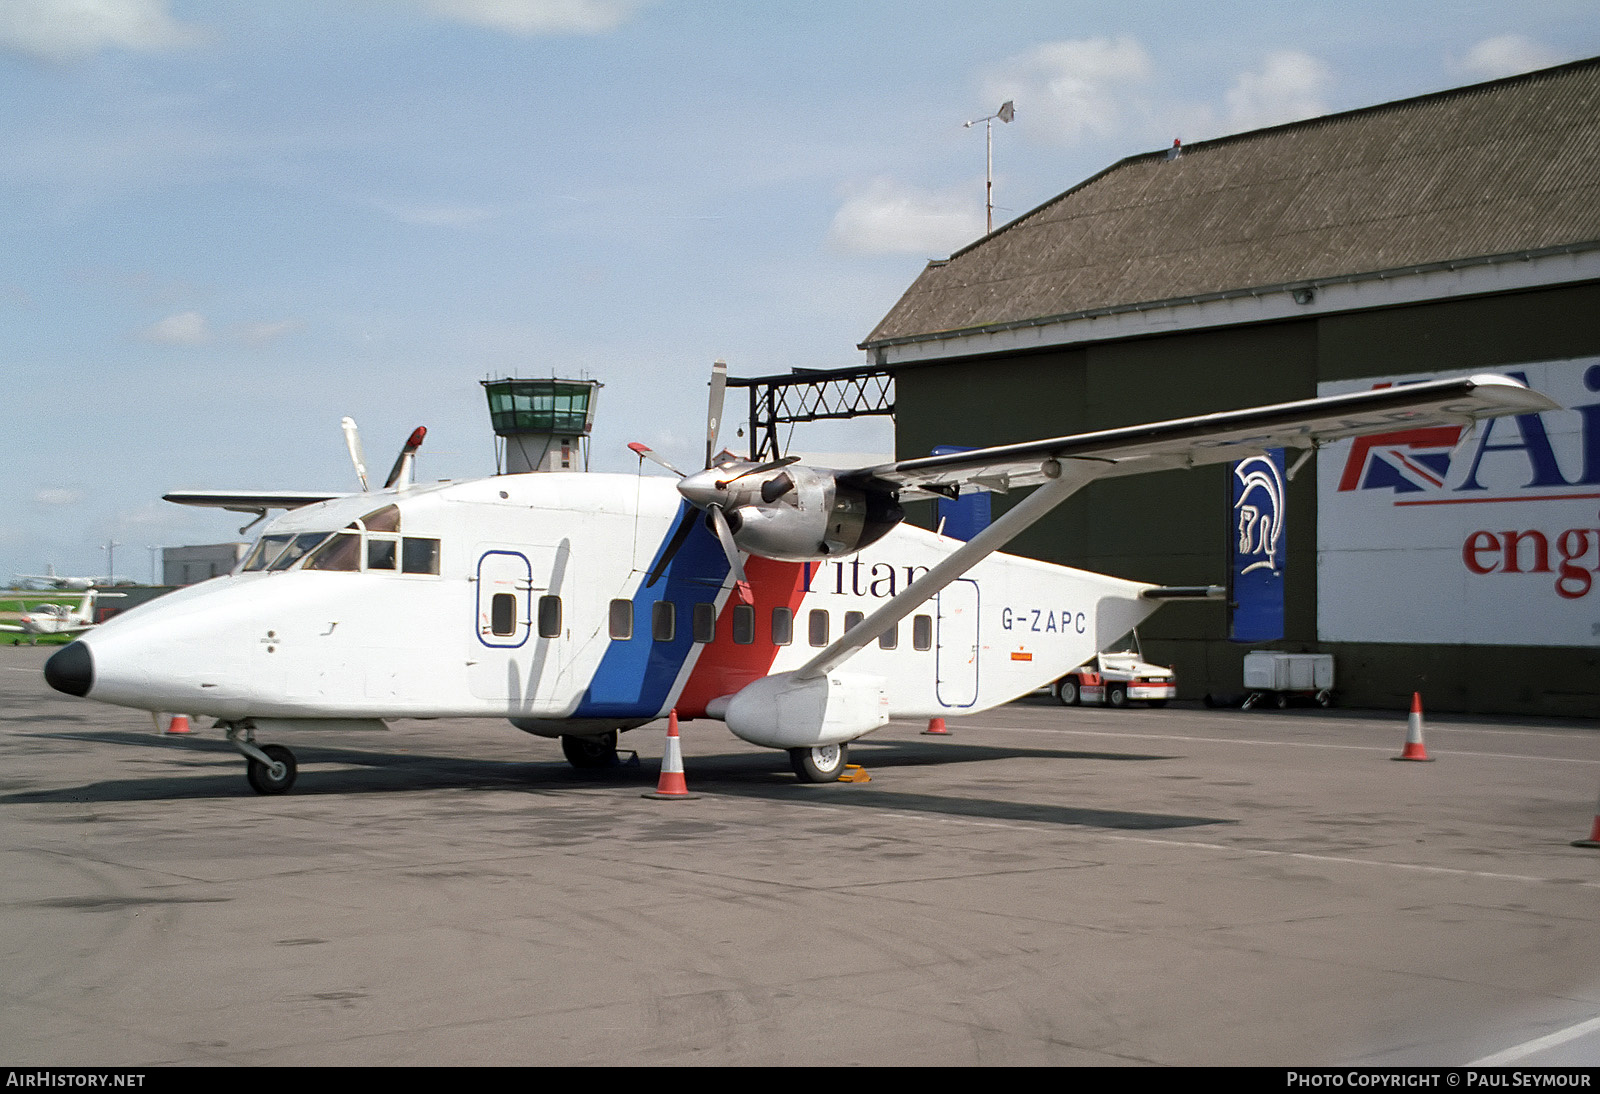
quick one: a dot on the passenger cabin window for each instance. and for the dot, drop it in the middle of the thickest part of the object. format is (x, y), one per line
(890, 638)
(922, 632)
(622, 619)
(663, 621)
(705, 622)
(782, 626)
(852, 618)
(503, 614)
(819, 627)
(744, 624)
(549, 614)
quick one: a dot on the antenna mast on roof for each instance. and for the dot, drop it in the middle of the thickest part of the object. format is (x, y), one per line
(1006, 112)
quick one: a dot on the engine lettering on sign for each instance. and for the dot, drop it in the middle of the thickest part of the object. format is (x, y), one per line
(1531, 551)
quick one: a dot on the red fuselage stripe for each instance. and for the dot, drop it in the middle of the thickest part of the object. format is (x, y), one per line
(726, 666)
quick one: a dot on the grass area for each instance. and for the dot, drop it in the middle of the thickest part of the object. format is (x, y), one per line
(8, 639)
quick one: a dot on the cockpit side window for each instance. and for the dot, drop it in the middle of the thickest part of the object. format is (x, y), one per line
(386, 519)
(297, 548)
(385, 550)
(381, 553)
(342, 551)
(267, 549)
(419, 556)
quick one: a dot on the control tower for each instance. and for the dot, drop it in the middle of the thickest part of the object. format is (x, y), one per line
(542, 425)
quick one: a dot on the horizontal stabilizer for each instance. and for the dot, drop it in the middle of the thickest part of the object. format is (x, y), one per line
(1185, 592)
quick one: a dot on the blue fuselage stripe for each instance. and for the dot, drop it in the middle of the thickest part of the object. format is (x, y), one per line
(636, 675)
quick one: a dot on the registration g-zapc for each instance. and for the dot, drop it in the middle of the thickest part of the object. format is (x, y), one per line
(789, 602)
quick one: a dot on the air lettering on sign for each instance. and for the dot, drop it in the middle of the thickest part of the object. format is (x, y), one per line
(1486, 535)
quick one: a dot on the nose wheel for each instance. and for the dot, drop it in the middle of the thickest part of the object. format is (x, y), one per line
(270, 768)
(275, 776)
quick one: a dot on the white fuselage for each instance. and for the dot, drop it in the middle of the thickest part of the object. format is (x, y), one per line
(540, 609)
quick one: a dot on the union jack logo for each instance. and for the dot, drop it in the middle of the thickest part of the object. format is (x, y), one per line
(1407, 462)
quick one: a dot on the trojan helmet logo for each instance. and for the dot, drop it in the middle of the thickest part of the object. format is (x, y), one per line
(1259, 513)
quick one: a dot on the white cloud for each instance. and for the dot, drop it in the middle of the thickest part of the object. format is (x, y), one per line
(1506, 55)
(60, 30)
(1288, 87)
(57, 495)
(184, 329)
(530, 17)
(889, 217)
(1065, 90)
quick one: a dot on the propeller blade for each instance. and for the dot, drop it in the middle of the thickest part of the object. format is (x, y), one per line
(646, 452)
(352, 441)
(719, 386)
(719, 521)
(679, 534)
(761, 469)
(402, 463)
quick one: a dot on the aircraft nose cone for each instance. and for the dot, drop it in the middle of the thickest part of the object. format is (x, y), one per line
(71, 669)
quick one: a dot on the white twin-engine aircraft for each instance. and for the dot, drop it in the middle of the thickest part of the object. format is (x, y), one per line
(789, 602)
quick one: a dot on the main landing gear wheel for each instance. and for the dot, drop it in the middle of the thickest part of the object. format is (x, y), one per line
(587, 753)
(275, 778)
(822, 764)
(1067, 692)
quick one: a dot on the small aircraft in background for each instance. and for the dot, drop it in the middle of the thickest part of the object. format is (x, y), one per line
(769, 596)
(57, 618)
(60, 581)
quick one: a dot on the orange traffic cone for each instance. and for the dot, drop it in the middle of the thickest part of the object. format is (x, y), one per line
(936, 727)
(179, 724)
(1594, 833)
(671, 786)
(1414, 749)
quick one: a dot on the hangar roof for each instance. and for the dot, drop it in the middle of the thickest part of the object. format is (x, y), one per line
(1506, 167)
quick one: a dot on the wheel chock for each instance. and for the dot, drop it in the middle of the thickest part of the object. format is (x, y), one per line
(855, 773)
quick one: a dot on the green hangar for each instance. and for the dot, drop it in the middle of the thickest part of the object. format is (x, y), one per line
(1453, 233)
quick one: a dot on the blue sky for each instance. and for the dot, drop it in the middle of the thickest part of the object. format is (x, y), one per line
(225, 225)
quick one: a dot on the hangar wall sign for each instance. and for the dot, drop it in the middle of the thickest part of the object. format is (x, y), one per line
(1487, 536)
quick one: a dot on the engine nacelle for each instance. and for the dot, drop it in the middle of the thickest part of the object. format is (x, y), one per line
(782, 712)
(802, 514)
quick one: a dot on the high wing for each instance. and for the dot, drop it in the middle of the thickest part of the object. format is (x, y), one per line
(256, 502)
(251, 501)
(1212, 438)
(1062, 466)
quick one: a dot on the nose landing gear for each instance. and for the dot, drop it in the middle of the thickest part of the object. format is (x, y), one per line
(271, 768)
